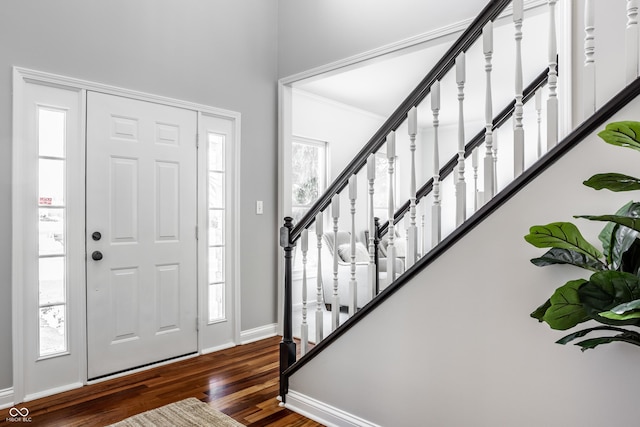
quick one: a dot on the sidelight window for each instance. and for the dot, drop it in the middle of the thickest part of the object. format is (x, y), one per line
(52, 277)
(216, 232)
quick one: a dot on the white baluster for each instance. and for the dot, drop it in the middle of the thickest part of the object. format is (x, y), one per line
(424, 231)
(552, 102)
(474, 166)
(304, 328)
(487, 45)
(518, 130)
(412, 232)
(589, 90)
(436, 210)
(631, 40)
(335, 303)
(319, 311)
(461, 185)
(371, 177)
(353, 284)
(391, 231)
(495, 161)
(538, 102)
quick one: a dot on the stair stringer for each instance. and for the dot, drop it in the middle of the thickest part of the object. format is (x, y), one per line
(456, 346)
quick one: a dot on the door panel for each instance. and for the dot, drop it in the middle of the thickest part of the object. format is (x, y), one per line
(141, 198)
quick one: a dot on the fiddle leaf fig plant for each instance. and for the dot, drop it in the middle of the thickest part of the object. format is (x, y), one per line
(611, 295)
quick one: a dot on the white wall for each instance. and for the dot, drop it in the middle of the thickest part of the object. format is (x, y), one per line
(221, 53)
(464, 350)
(345, 128)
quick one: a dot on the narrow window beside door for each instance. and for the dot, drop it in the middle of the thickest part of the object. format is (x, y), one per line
(216, 223)
(52, 232)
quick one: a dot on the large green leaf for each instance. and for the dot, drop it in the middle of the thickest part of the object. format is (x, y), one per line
(627, 221)
(563, 235)
(613, 182)
(606, 235)
(623, 238)
(621, 317)
(626, 311)
(628, 337)
(566, 310)
(581, 333)
(627, 306)
(567, 256)
(606, 290)
(622, 134)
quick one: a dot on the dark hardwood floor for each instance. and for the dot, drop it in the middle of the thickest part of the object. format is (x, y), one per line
(242, 382)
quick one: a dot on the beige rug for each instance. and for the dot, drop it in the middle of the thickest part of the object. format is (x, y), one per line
(185, 413)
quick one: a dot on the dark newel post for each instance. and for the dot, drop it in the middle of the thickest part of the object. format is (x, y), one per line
(376, 243)
(287, 346)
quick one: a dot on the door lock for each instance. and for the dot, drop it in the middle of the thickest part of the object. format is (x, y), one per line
(96, 236)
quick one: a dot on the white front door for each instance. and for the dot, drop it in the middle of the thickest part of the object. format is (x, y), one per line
(141, 202)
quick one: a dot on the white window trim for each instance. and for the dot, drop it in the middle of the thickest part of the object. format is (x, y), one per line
(24, 76)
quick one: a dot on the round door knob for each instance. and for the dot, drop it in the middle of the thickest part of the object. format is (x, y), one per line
(96, 236)
(96, 255)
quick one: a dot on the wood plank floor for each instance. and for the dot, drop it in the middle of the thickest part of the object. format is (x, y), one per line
(242, 382)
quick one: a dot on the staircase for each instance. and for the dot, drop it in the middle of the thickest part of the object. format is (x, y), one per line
(423, 253)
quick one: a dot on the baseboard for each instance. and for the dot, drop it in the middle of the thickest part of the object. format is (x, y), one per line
(142, 369)
(323, 413)
(259, 333)
(6, 398)
(52, 391)
(218, 348)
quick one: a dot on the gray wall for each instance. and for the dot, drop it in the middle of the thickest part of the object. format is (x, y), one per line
(312, 33)
(221, 53)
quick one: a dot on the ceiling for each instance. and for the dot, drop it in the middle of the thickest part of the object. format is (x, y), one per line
(379, 85)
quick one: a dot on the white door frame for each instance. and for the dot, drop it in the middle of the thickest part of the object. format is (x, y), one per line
(24, 76)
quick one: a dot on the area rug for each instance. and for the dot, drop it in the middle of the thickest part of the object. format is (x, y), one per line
(185, 413)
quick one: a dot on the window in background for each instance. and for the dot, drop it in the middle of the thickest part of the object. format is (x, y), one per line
(308, 174)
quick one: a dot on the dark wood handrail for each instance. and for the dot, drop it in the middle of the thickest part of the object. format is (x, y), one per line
(490, 12)
(475, 142)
